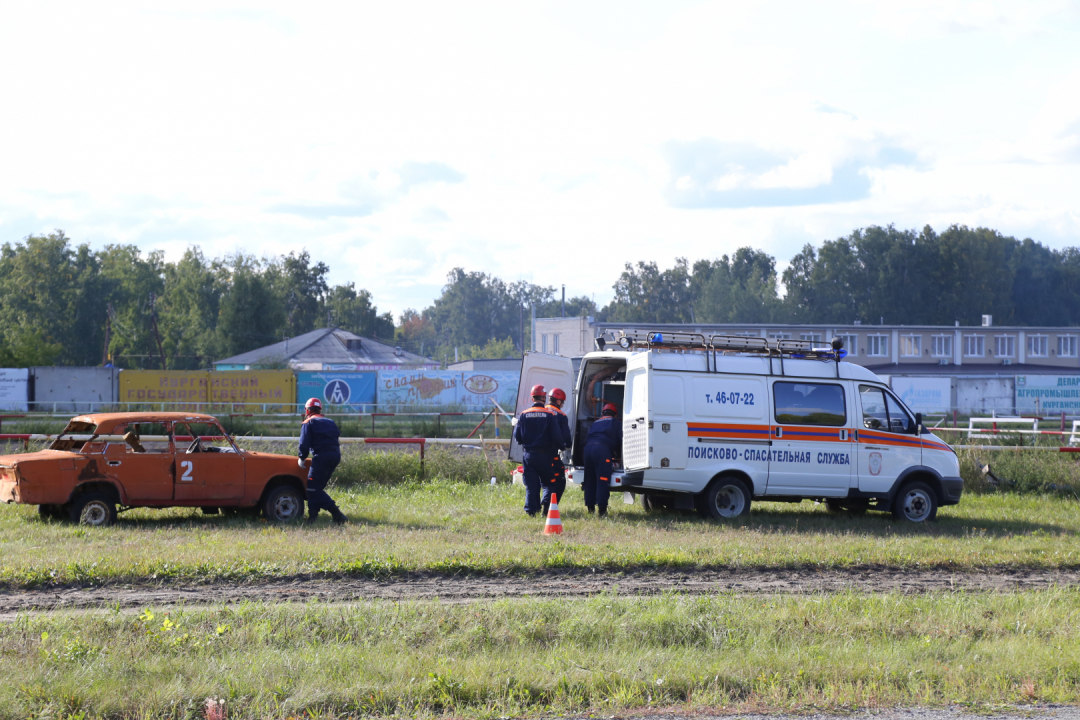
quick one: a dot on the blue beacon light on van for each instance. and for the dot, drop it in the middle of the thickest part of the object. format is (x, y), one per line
(656, 338)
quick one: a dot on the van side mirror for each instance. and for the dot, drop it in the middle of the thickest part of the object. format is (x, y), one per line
(918, 423)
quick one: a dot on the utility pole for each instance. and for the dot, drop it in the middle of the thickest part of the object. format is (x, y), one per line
(564, 301)
(106, 356)
(157, 334)
(521, 326)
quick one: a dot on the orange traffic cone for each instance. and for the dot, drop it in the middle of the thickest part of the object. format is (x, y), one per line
(553, 526)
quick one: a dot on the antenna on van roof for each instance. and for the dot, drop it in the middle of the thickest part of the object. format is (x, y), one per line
(781, 348)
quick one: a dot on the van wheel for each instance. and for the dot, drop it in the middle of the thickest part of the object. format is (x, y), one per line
(727, 497)
(916, 502)
(834, 506)
(648, 503)
(93, 509)
(283, 504)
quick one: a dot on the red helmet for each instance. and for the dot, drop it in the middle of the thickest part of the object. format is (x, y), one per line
(610, 408)
(558, 394)
(538, 391)
(313, 404)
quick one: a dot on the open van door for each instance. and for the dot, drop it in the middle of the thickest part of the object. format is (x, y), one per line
(551, 371)
(654, 417)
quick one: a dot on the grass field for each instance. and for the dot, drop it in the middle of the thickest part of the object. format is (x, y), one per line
(451, 526)
(503, 658)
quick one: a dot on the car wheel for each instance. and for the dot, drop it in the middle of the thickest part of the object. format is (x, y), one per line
(916, 502)
(93, 509)
(283, 504)
(834, 506)
(727, 497)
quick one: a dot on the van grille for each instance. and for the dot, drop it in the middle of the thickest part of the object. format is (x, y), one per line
(635, 445)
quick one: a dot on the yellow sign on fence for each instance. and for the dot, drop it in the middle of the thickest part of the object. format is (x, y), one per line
(193, 390)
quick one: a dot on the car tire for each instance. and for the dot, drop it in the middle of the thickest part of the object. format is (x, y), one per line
(727, 497)
(916, 502)
(93, 509)
(283, 504)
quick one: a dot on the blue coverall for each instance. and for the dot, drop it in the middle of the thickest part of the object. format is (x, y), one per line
(558, 481)
(604, 439)
(538, 435)
(319, 436)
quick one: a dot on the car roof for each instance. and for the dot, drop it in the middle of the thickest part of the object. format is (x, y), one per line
(114, 419)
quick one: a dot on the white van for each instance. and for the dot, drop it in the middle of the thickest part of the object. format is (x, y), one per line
(713, 423)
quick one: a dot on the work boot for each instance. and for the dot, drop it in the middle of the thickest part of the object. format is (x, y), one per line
(340, 518)
(311, 519)
(544, 510)
(591, 508)
(603, 511)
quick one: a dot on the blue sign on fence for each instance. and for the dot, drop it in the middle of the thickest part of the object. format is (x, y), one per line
(348, 391)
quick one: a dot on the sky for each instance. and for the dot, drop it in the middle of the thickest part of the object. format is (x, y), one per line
(551, 142)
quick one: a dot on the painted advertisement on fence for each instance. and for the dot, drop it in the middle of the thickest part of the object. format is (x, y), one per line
(1047, 393)
(13, 387)
(442, 388)
(191, 390)
(343, 391)
(925, 395)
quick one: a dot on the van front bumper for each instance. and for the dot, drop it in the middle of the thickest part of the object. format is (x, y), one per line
(951, 488)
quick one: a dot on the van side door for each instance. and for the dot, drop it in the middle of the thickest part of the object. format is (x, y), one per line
(811, 451)
(887, 443)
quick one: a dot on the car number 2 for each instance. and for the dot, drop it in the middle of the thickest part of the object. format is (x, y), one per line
(186, 466)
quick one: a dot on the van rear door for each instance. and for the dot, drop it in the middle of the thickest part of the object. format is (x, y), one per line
(654, 417)
(551, 371)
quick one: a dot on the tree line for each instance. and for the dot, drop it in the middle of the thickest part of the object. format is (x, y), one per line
(73, 305)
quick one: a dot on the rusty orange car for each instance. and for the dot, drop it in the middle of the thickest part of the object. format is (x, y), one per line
(156, 459)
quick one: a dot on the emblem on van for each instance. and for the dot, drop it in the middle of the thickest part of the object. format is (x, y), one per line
(875, 463)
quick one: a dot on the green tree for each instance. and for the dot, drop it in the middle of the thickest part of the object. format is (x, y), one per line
(353, 310)
(252, 314)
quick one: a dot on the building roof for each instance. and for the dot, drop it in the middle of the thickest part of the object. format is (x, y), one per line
(330, 346)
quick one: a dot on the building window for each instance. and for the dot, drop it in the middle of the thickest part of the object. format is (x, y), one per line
(543, 343)
(910, 345)
(941, 346)
(1004, 346)
(974, 346)
(877, 345)
(1037, 346)
(851, 344)
(779, 336)
(555, 343)
(1066, 346)
(812, 337)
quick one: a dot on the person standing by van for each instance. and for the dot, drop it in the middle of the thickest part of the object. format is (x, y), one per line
(601, 445)
(558, 479)
(538, 435)
(319, 436)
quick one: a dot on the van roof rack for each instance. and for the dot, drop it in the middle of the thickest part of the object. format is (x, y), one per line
(629, 339)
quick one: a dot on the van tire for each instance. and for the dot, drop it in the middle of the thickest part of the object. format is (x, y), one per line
(648, 503)
(93, 509)
(916, 502)
(283, 504)
(727, 497)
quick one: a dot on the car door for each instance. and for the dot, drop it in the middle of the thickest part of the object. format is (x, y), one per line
(551, 371)
(811, 452)
(144, 468)
(208, 466)
(887, 443)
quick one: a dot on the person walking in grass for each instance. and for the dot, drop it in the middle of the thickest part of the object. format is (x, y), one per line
(319, 436)
(557, 485)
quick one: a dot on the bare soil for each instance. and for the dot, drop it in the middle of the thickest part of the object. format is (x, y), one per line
(576, 583)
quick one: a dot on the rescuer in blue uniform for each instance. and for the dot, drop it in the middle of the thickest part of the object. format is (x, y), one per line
(319, 436)
(558, 470)
(538, 435)
(601, 445)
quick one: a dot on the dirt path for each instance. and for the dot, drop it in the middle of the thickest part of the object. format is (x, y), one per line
(548, 584)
